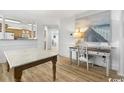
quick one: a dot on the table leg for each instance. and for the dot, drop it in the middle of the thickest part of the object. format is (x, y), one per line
(16, 74)
(77, 57)
(70, 56)
(8, 67)
(54, 69)
(107, 65)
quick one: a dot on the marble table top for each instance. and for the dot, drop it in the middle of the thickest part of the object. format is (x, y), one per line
(20, 57)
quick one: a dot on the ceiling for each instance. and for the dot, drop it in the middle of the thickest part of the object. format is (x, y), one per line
(39, 16)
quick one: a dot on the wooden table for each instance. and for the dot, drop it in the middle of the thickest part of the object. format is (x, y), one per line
(104, 52)
(19, 60)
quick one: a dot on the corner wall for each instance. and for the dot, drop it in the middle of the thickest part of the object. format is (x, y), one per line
(67, 26)
(117, 40)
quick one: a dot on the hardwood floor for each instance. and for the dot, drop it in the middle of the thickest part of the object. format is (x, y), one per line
(65, 73)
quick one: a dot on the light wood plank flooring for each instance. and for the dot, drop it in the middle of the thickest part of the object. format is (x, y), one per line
(65, 73)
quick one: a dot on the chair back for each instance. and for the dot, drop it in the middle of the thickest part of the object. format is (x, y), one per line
(83, 50)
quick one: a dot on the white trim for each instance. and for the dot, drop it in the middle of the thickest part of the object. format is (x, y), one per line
(120, 74)
(89, 13)
(115, 67)
(13, 21)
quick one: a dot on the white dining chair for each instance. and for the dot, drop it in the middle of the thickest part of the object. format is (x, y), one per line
(83, 54)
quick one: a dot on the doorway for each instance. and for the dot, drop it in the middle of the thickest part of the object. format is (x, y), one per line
(51, 38)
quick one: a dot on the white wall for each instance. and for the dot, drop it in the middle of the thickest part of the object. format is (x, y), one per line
(122, 47)
(40, 36)
(117, 37)
(115, 28)
(67, 27)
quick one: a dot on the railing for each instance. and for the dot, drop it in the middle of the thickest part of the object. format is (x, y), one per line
(102, 30)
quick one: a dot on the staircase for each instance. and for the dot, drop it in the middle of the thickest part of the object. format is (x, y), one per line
(98, 33)
(103, 30)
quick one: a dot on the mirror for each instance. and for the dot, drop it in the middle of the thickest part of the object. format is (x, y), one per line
(16, 30)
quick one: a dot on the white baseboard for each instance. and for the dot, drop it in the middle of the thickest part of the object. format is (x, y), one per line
(115, 67)
(120, 74)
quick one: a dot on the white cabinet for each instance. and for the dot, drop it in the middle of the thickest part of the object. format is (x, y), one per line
(9, 35)
(1, 35)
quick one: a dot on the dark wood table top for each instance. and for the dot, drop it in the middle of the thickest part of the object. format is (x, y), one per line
(98, 49)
